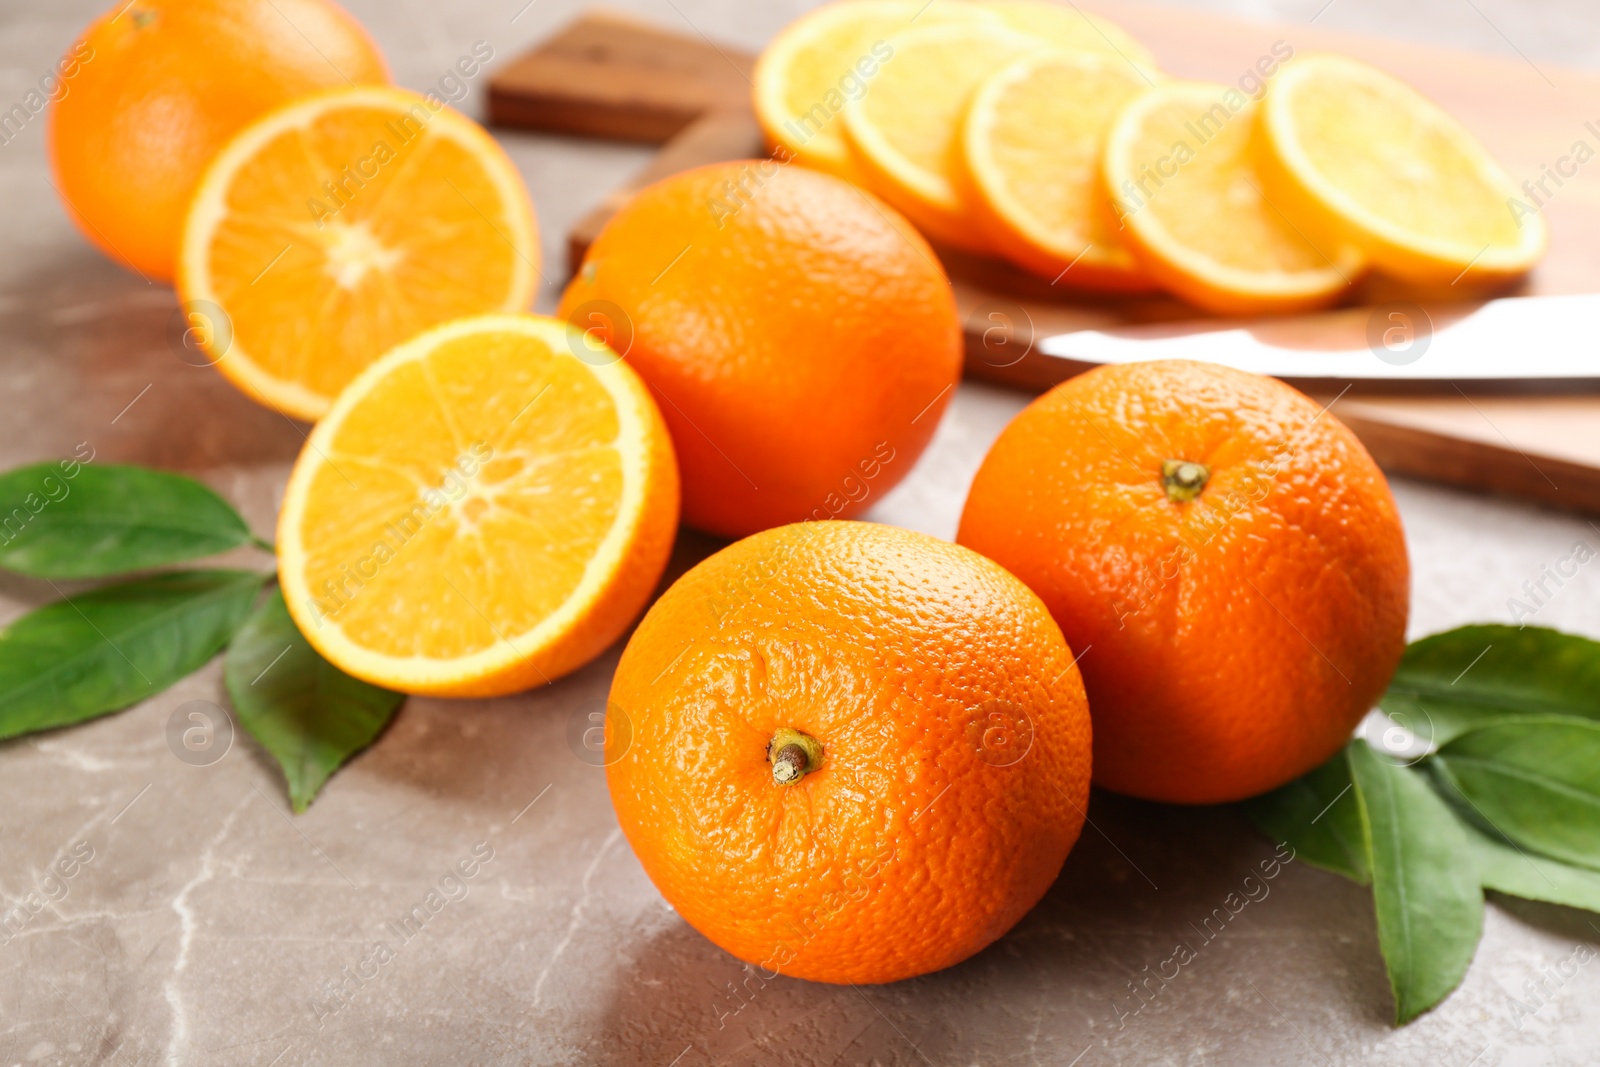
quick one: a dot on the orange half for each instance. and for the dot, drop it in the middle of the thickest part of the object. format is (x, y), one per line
(332, 229)
(484, 509)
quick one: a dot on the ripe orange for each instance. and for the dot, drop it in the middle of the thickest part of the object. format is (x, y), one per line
(336, 227)
(485, 509)
(1226, 557)
(849, 752)
(161, 85)
(798, 334)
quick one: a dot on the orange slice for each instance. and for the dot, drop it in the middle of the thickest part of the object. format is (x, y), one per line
(1066, 27)
(1180, 163)
(1031, 145)
(485, 508)
(334, 228)
(1364, 156)
(828, 57)
(905, 133)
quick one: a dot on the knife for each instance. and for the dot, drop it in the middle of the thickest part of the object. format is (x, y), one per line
(1534, 342)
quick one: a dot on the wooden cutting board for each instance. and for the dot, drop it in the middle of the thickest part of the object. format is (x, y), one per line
(612, 76)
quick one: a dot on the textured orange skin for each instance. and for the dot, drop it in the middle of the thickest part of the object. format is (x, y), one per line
(166, 85)
(907, 850)
(1228, 667)
(802, 349)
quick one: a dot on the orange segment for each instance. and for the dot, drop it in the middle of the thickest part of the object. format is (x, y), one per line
(905, 133)
(827, 57)
(333, 229)
(1031, 144)
(1370, 159)
(1180, 163)
(480, 511)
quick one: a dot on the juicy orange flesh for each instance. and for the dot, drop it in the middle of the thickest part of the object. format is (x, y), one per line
(916, 102)
(814, 78)
(1046, 140)
(822, 71)
(1071, 30)
(486, 520)
(1214, 205)
(1406, 165)
(368, 263)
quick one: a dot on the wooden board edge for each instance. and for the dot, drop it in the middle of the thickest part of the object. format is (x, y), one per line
(1461, 463)
(577, 117)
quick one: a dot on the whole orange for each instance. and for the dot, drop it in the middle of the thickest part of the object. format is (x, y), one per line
(160, 85)
(799, 336)
(1224, 554)
(849, 752)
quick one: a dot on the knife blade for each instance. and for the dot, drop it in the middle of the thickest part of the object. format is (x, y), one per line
(1534, 341)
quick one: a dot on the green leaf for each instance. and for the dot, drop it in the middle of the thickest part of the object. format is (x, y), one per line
(1451, 682)
(305, 711)
(1520, 873)
(104, 650)
(105, 520)
(1319, 815)
(1424, 882)
(1535, 781)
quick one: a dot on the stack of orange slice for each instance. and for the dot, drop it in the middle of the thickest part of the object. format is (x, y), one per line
(1030, 130)
(1199, 221)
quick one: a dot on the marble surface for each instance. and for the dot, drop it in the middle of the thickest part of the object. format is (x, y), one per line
(202, 925)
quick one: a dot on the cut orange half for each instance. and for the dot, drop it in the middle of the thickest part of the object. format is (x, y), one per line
(905, 133)
(484, 509)
(828, 57)
(332, 229)
(1180, 166)
(1031, 145)
(1364, 156)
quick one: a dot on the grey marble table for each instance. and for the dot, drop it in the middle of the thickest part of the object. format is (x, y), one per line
(208, 927)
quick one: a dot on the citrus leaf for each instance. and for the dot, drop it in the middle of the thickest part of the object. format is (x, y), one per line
(305, 711)
(1424, 882)
(1535, 781)
(1520, 873)
(105, 520)
(104, 650)
(1319, 815)
(1451, 682)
